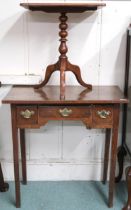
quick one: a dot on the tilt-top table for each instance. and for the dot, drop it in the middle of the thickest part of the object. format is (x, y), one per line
(33, 108)
(63, 64)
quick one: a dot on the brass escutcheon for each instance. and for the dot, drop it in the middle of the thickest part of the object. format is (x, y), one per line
(27, 114)
(103, 113)
(65, 112)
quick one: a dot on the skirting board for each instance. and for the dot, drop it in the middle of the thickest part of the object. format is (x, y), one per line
(58, 171)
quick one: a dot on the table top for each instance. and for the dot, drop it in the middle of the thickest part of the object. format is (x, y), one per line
(73, 95)
(63, 6)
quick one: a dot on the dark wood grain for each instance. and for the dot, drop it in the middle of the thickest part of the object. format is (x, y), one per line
(73, 95)
(63, 7)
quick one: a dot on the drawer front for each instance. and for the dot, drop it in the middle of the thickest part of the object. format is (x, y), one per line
(27, 115)
(102, 116)
(65, 113)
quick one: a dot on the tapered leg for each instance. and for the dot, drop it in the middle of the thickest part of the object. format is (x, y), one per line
(106, 155)
(15, 155)
(3, 186)
(23, 155)
(128, 179)
(113, 153)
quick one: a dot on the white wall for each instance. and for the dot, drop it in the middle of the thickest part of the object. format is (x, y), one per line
(28, 43)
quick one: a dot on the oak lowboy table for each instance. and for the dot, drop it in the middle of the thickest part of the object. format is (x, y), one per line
(96, 108)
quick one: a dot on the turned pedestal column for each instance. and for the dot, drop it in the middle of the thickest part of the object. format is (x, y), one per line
(63, 64)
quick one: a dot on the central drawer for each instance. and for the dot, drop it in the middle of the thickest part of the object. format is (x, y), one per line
(64, 113)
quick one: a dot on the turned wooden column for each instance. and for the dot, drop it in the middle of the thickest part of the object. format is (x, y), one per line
(63, 50)
(62, 65)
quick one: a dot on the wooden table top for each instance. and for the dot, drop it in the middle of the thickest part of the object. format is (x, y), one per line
(73, 95)
(63, 7)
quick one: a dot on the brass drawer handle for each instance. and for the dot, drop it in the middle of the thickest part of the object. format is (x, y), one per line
(103, 113)
(27, 114)
(65, 112)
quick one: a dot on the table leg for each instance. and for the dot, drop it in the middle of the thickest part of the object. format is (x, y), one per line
(3, 186)
(106, 155)
(113, 153)
(128, 178)
(23, 155)
(15, 155)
